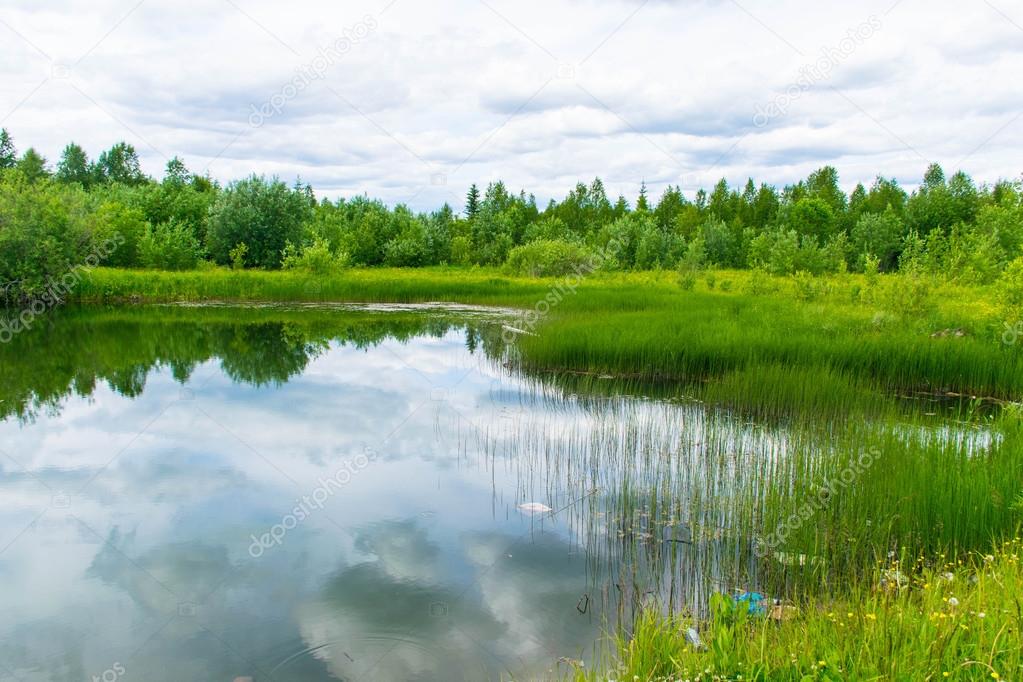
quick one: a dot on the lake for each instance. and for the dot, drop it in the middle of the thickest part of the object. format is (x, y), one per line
(349, 493)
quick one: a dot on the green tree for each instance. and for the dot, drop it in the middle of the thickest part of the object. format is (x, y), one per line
(8, 153)
(74, 166)
(823, 184)
(812, 217)
(472, 202)
(32, 165)
(176, 173)
(670, 206)
(263, 214)
(120, 164)
(879, 235)
(642, 205)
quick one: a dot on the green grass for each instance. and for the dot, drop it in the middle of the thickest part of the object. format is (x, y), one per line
(643, 326)
(958, 619)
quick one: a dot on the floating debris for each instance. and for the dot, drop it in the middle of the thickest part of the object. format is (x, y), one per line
(583, 605)
(515, 330)
(534, 508)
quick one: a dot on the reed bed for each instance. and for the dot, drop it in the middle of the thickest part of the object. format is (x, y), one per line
(677, 501)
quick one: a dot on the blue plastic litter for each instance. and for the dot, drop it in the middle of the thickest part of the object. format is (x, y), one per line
(755, 601)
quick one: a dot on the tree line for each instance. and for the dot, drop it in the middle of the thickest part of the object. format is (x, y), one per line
(51, 218)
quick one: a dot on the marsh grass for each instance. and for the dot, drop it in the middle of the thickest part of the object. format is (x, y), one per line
(684, 500)
(956, 619)
(643, 326)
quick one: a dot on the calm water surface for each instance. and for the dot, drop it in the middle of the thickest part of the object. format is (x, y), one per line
(335, 493)
(208, 494)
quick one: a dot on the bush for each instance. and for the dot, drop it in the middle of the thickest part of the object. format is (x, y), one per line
(112, 219)
(1009, 292)
(880, 234)
(691, 263)
(264, 215)
(549, 258)
(44, 234)
(906, 295)
(169, 246)
(316, 259)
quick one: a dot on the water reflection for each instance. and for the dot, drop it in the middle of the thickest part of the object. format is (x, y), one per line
(312, 494)
(143, 450)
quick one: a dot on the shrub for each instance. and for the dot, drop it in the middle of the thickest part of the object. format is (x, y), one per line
(112, 219)
(264, 215)
(316, 259)
(237, 255)
(691, 263)
(44, 234)
(549, 258)
(169, 246)
(1009, 292)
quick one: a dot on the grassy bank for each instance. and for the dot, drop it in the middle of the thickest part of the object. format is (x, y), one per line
(932, 618)
(736, 327)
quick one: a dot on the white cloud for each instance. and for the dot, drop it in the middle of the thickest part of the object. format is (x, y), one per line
(540, 94)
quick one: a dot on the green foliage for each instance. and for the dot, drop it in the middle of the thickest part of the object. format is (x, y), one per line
(169, 246)
(472, 202)
(119, 164)
(44, 234)
(548, 227)
(74, 166)
(1009, 293)
(879, 235)
(237, 255)
(906, 295)
(316, 258)
(263, 214)
(948, 227)
(691, 263)
(8, 152)
(549, 258)
(113, 218)
(812, 218)
(33, 166)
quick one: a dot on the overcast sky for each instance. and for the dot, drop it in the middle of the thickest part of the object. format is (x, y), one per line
(412, 100)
